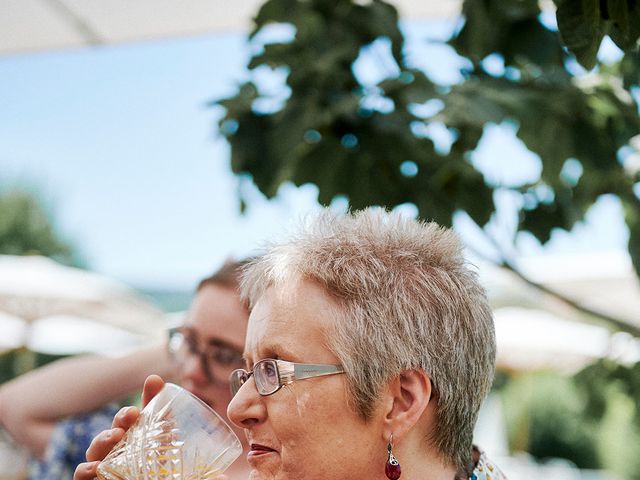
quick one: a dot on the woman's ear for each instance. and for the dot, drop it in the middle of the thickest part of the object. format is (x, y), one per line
(410, 395)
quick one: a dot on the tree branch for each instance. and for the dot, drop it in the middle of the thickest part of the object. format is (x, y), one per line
(507, 265)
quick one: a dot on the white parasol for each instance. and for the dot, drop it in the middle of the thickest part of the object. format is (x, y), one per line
(531, 339)
(33, 25)
(13, 332)
(70, 335)
(35, 287)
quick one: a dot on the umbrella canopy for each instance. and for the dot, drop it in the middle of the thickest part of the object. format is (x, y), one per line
(31, 25)
(35, 287)
(70, 335)
(604, 282)
(14, 332)
(531, 339)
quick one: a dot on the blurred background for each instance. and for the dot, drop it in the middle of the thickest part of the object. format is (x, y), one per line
(143, 144)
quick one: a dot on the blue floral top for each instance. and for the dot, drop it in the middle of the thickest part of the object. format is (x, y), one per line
(69, 442)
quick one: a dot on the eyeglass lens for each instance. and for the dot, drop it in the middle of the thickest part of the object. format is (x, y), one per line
(265, 374)
(217, 361)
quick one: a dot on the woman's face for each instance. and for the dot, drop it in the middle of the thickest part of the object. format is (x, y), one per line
(217, 324)
(306, 430)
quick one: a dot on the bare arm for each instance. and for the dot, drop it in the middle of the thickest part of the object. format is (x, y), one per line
(32, 404)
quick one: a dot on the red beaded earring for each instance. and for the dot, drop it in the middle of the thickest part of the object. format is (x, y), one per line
(392, 468)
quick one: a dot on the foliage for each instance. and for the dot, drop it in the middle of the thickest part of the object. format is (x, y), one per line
(593, 379)
(546, 418)
(587, 418)
(584, 23)
(333, 131)
(26, 228)
(7, 363)
(611, 393)
(580, 126)
(371, 143)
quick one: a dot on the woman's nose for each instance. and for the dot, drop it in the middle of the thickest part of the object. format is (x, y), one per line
(247, 408)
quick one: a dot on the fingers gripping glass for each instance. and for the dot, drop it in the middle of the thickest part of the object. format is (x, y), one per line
(271, 375)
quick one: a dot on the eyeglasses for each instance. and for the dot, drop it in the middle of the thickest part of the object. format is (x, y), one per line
(271, 375)
(217, 359)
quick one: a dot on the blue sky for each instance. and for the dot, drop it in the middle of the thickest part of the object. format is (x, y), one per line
(120, 144)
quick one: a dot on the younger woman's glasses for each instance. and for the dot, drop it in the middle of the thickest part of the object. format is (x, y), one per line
(271, 375)
(217, 358)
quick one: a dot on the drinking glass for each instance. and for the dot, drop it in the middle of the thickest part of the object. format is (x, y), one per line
(176, 437)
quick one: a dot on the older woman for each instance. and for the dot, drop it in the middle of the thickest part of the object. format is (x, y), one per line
(369, 350)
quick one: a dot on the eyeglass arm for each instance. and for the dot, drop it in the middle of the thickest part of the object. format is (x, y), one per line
(290, 371)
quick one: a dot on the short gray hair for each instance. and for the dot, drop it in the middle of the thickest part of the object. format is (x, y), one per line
(408, 300)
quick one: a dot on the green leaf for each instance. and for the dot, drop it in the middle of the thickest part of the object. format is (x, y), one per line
(624, 23)
(282, 11)
(633, 222)
(411, 86)
(541, 220)
(487, 25)
(630, 69)
(529, 46)
(474, 196)
(618, 13)
(581, 28)
(591, 380)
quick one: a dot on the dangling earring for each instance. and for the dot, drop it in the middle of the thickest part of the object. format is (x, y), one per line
(392, 468)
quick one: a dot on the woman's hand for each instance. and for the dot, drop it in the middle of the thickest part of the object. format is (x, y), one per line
(102, 444)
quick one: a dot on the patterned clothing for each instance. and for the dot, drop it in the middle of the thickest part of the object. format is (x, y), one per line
(69, 442)
(485, 469)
